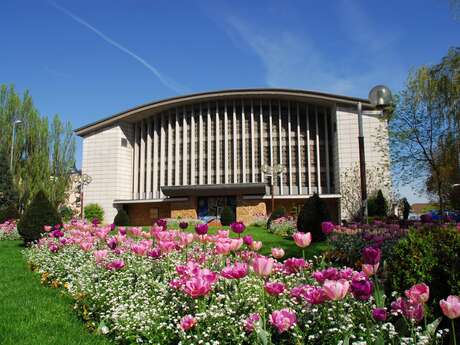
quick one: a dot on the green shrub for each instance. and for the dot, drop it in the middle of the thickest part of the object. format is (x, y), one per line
(377, 205)
(39, 213)
(94, 211)
(66, 213)
(283, 226)
(9, 212)
(430, 255)
(227, 216)
(277, 213)
(313, 213)
(122, 218)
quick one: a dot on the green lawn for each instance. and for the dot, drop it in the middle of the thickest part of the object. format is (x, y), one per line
(31, 313)
(270, 240)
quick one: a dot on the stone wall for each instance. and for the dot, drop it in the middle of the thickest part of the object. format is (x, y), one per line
(186, 209)
(247, 210)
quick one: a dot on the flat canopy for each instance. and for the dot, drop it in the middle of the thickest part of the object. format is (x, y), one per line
(215, 189)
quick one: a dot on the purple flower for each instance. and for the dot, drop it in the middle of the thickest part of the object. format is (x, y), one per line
(95, 221)
(115, 265)
(237, 227)
(162, 223)
(248, 240)
(379, 314)
(183, 225)
(112, 243)
(250, 322)
(371, 255)
(327, 227)
(57, 233)
(361, 289)
(201, 229)
(112, 226)
(154, 253)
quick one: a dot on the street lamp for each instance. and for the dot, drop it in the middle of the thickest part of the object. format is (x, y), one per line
(82, 180)
(273, 172)
(15, 122)
(380, 97)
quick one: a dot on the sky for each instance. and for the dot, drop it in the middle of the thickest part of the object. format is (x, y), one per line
(86, 60)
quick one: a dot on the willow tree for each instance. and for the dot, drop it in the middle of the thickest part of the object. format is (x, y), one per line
(425, 115)
(43, 152)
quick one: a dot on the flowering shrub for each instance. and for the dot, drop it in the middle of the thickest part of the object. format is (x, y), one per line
(9, 231)
(347, 243)
(168, 286)
(260, 220)
(283, 226)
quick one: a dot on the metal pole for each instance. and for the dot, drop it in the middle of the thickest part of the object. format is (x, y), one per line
(12, 146)
(273, 195)
(362, 164)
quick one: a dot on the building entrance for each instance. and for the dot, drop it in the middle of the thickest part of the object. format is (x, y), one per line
(211, 207)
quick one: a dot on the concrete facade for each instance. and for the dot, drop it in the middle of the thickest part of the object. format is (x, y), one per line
(225, 138)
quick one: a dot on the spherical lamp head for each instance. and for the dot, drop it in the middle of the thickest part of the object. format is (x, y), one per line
(380, 96)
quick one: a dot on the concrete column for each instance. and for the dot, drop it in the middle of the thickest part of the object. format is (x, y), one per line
(280, 141)
(261, 125)
(253, 170)
(326, 139)
(235, 156)
(243, 142)
(176, 153)
(192, 147)
(318, 161)
(308, 151)
(149, 160)
(289, 149)
(217, 145)
(225, 144)
(142, 163)
(156, 151)
(200, 147)
(163, 150)
(184, 149)
(136, 162)
(209, 148)
(299, 160)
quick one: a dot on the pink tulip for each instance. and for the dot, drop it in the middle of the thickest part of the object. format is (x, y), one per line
(262, 266)
(277, 253)
(302, 239)
(315, 295)
(47, 228)
(336, 289)
(283, 319)
(450, 306)
(419, 293)
(236, 244)
(86, 246)
(294, 265)
(248, 240)
(197, 287)
(188, 322)
(223, 233)
(223, 247)
(237, 271)
(100, 255)
(274, 288)
(370, 270)
(115, 265)
(256, 245)
(249, 323)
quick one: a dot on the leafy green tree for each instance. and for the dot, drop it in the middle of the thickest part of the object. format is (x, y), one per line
(313, 213)
(39, 213)
(8, 193)
(43, 153)
(427, 112)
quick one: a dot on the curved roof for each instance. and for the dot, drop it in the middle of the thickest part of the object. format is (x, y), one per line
(141, 110)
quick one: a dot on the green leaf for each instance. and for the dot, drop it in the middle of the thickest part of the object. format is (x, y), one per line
(431, 328)
(262, 336)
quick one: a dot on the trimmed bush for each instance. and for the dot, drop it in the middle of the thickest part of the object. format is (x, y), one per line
(377, 205)
(66, 213)
(313, 213)
(94, 211)
(227, 216)
(9, 212)
(277, 213)
(122, 218)
(39, 213)
(430, 255)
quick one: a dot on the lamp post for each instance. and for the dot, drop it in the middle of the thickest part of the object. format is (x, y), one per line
(82, 180)
(15, 122)
(380, 97)
(273, 172)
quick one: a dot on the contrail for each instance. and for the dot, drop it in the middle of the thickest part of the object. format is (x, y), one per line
(163, 79)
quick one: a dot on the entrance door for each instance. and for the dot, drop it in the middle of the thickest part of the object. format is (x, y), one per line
(211, 207)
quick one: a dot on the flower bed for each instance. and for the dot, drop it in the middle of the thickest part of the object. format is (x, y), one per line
(347, 243)
(167, 286)
(9, 231)
(283, 226)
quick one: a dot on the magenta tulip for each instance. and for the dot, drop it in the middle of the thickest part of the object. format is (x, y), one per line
(201, 229)
(327, 227)
(237, 227)
(419, 293)
(283, 319)
(274, 288)
(188, 322)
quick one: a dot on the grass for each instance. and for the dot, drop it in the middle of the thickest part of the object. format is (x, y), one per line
(270, 240)
(31, 314)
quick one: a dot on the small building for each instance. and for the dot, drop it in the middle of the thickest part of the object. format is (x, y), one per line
(190, 156)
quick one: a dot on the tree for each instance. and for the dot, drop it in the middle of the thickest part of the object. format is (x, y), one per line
(227, 216)
(405, 207)
(43, 153)
(39, 213)
(8, 193)
(377, 177)
(313, 213)
(427, 111)
(122, 218)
